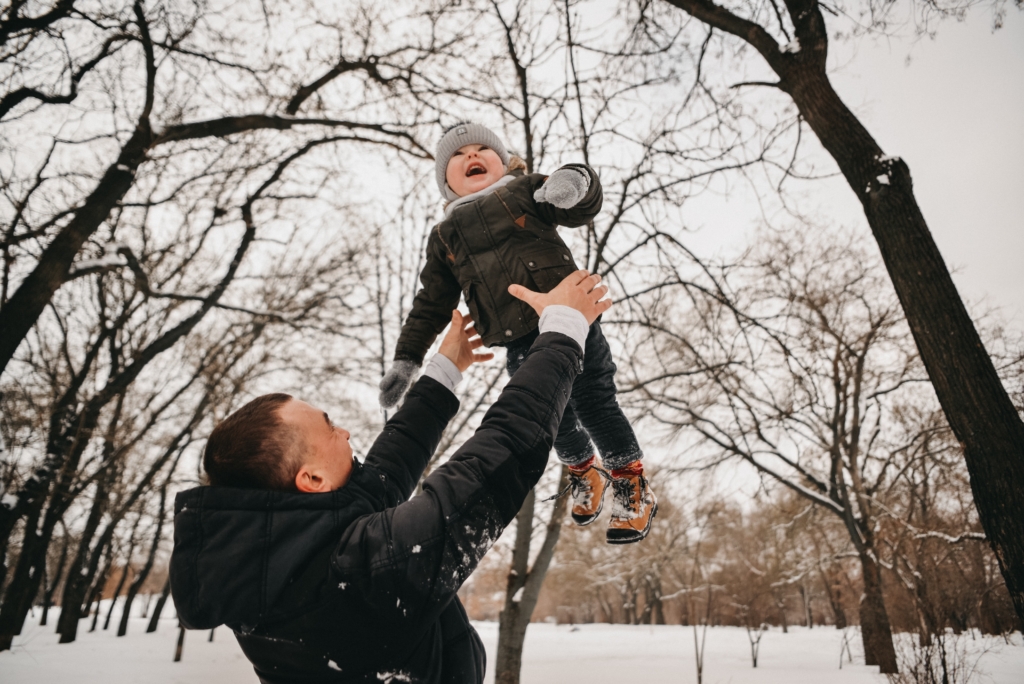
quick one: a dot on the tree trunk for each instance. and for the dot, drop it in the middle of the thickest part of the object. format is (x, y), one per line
(154, 620)
(874, 621)
(124, 573)
(647, 614)
(835, 598)
(972, 396)
(512, 624)
(181, 643)
(926, 613)
(24, 585)
(51, 585)
(96, 595)
(659, 606)
(140, 578)
(805, 596)
(523, 588)
(80, 574)
(117, 591)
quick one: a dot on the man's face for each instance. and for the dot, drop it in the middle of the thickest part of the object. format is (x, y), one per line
(473, 168)
(327, 462)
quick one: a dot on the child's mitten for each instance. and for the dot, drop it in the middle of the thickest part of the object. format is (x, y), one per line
(396, 382)
(564, 188)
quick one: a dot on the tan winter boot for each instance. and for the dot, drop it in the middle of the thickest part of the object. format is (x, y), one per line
(633, 506)
(587, 485)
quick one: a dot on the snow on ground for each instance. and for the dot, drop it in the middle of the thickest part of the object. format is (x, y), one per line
(554, 654)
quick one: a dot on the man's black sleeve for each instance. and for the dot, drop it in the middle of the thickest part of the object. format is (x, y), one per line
(411, 559)
(409, 439)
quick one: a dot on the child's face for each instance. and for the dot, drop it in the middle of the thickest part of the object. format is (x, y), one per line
(472, 168)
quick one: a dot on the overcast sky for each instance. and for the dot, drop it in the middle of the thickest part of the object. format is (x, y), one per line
(955, 113)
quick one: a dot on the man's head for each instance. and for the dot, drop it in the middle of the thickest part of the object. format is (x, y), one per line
(469, 158)
(277, 442)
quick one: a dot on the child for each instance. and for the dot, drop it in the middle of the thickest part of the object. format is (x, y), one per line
(499, 230)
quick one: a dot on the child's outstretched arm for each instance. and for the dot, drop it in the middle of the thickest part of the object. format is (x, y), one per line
(430, 314)
(571, 196)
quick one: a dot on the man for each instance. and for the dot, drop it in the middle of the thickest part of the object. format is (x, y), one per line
(323, 567)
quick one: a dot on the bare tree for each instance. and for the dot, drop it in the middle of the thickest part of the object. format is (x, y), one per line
(168, 51)
(797, 372)
(793, 40)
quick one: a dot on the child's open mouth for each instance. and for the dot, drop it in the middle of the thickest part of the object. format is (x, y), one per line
(475, 169)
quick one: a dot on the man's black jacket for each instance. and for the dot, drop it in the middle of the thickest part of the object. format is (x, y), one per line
(359, 584)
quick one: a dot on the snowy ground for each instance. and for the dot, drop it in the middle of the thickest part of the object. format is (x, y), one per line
(555, 654)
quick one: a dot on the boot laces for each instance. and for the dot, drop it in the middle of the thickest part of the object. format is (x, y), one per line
(626, 494)
(578, 484)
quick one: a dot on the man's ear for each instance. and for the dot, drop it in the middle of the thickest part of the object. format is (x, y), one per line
(309, 480)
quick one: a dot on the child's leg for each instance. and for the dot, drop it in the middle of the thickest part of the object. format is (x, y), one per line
(593, 400)
(594, 403)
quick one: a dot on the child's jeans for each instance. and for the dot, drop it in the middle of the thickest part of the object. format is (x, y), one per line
(592, 412)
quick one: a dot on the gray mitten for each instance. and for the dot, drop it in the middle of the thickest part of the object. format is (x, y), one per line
(396, 382)
(564, 188)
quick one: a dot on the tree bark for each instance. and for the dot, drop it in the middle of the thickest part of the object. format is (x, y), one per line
(154, 620)
(80, 573)
(96, 595)
(523, 587)
(133, 588)
(117, 590)
(51, 584)
(181, 643)
(874, 620)
(975, 403)
(835, 599)
(805, 596)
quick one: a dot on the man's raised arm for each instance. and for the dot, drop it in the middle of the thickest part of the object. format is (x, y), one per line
(426, 547)
(409, 439)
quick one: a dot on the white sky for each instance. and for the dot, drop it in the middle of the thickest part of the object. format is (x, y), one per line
(955, 112)
(956, 115)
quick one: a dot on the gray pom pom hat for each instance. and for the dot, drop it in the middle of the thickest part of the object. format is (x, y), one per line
(464, 133)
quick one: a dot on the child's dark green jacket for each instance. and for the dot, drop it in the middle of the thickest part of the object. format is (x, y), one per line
(501, 239)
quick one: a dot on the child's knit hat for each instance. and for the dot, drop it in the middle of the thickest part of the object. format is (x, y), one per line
(463, 133)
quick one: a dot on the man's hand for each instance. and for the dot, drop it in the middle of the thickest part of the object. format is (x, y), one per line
(460, 341)
(579, 290)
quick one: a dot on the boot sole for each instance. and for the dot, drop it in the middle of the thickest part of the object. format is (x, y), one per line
(632, 536)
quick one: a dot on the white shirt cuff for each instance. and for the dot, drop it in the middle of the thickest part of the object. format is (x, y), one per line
(442, 369)
(566, 320)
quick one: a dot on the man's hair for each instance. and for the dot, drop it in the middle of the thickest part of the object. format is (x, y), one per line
(254, 447)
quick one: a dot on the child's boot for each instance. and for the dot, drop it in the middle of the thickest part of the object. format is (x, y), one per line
(633, 505)
(587, 485)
